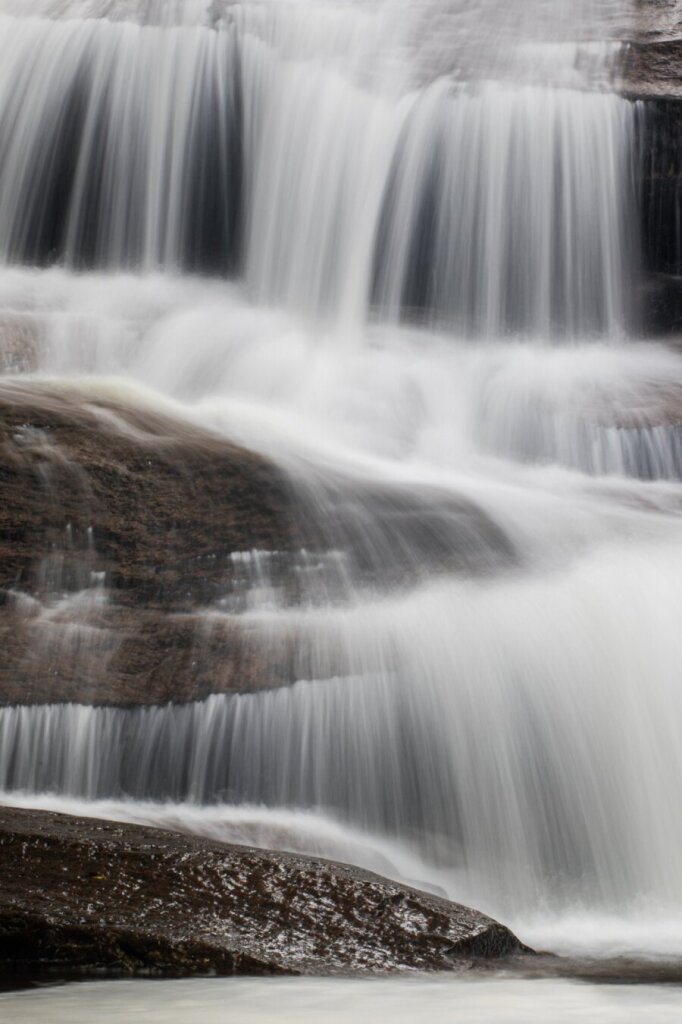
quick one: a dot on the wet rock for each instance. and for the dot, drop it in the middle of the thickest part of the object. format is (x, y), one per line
(662, 304)
(650, 63)
(81, 896)
(20, 344)
(650, 73)
(652, 69)
(132, 541)
(118, 529)
(659, 171)
(116, 655)
(90, 485)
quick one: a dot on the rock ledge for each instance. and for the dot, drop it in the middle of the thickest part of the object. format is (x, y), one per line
(87, 897)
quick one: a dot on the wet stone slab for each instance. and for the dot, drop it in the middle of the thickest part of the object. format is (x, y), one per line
(88, 897)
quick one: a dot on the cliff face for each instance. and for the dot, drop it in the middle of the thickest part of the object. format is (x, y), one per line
(80, 896)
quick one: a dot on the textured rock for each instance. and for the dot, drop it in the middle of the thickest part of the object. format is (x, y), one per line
(653, 69)
(85, 896)
(650, 65)
(118, 527)
(158, 505)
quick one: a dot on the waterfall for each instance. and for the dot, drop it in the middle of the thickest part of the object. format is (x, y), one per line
(498, 729)
(218, 149)
(408, 270)
(135, 157)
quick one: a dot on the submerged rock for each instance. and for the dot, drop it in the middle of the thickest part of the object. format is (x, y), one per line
(82, 896)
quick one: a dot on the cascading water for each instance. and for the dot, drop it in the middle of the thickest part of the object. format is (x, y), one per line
(414, 290)
(154, 146)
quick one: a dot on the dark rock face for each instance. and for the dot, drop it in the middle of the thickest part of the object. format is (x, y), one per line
(659, 168)
(651, 60)
(652, 69)
(650, 73)
(117, 527)
(80, 896)
(170, 503)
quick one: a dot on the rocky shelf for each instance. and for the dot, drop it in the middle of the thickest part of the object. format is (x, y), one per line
(82, 897)
(131, 541)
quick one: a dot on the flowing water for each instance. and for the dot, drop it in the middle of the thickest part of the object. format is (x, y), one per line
(442, 1000)
(395, 247)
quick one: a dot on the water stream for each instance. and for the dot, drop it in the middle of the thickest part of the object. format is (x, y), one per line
(395, 248)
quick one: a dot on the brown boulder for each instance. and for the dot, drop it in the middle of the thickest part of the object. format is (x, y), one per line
(81, 896)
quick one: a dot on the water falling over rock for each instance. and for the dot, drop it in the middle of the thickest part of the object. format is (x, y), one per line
(429, 614)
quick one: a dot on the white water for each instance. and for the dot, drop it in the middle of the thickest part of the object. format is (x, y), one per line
(292, 143)
(429, 323)
(240, 1001)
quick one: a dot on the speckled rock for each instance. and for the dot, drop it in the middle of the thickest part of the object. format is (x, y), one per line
(82, 896)
(119, 526)
(157, 505)
(650, 65)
